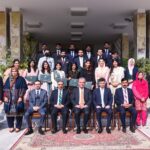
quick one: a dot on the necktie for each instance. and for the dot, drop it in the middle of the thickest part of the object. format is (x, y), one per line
(60, 97)
(125, 96)
(37, 97)
(102, 97)
(81, 101)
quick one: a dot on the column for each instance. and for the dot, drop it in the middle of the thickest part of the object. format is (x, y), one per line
(125, 45)
(16, 33)
(139, 27)
(3, 35)
(148, 34)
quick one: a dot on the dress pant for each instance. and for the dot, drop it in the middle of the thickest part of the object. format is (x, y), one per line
(78, 112)
(10, 121)
(122, 111)
(99, 113)
(28, 114)
(64, 112)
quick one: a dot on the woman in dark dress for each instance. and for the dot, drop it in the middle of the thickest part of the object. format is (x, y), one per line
(73, 73)
(88, 72)
(14, 91)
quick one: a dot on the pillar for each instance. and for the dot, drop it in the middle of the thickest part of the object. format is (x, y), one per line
(148, 34)
(16, 33)
(139, 28)
(125, 45)
(3, 36)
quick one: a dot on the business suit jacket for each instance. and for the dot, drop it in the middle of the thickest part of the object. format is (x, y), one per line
(54, 97)
(65, 64)
(107, 97)
(55, 57)
(75, 97)
(96, 60)
(119, 98)
(43, 99)
(70, 57)
(127, 74)
(77, 61)
(1, 88)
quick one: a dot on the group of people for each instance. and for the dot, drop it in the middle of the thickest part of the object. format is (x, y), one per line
(64, 82)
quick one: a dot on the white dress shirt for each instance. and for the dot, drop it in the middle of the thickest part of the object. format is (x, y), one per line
(89, 55)
(81, 61)
(102, 97)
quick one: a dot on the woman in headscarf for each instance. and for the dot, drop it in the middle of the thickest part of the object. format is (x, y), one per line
(16, 64)
(14, 90)
(131, 71)
(102, 71)
(140, 90)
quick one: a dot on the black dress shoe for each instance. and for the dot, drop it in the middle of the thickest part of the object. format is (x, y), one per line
(64, 131)
(132, 129)
(100, 130)
(54, 131)
(78, 131)
(41, 131)
(30, 131)
(108, 130)
(85, 130)
(124, 130)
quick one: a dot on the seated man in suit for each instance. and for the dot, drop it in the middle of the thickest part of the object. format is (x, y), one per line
(81, 100)
(59, 103)
(102, 100)
(124, 100)
(37, 103)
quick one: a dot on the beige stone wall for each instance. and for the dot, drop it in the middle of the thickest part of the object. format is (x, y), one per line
(15, 34)
(3, 37)
(140, 34)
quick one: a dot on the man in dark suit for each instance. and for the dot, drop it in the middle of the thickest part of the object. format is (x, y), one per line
(102, 100)
(37, 103)
(81, 100)
(41, 53)
(1, 90)
(80, 60)
(99, 55)
(107, 54)
(88, 53)
(57, 52)
(71, 53)
(59, 103)
(64, 62)
(124, 100)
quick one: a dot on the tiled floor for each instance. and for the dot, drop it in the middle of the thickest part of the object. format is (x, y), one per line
(7, 140)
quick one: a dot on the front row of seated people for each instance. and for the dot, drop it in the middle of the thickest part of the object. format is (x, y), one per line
(82, 100)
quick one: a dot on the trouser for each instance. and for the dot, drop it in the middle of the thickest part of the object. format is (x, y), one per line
(64, 112)
(133, 112)
(10, 121)
(28, 114)
(141, 116)
(109, 116)
(78, 112)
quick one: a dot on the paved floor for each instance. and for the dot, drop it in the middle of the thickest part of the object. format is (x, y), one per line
(7, 140)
